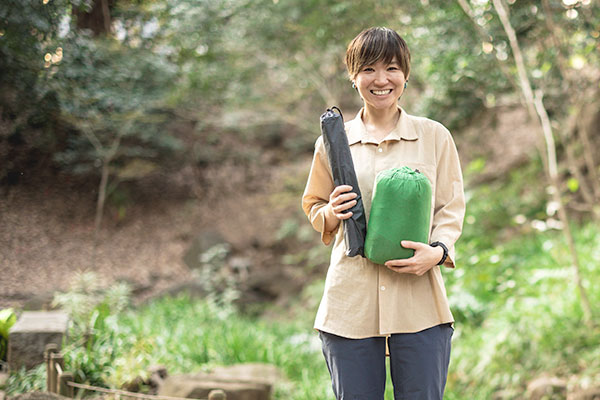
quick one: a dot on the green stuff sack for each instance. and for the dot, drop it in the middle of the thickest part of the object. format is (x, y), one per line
(400, 210)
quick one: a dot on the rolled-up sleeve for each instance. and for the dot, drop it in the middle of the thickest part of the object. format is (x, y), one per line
(316, 194)
(449, 208)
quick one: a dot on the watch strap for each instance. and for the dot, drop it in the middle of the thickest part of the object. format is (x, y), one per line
(443, 246)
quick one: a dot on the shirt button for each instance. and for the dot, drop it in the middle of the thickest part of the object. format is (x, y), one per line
(380, 149)
(382, 287)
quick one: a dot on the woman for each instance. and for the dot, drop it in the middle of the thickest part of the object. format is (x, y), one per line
(399, 308)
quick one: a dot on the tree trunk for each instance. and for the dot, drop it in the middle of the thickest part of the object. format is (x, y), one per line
(101, 195)
(97, 19)
(535, 105)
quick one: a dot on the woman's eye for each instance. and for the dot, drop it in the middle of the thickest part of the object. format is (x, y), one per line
(368, 69)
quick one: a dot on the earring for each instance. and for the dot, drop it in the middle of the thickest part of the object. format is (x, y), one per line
(353, 85)
(405, 83)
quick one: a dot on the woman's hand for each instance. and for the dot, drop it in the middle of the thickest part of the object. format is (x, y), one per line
(423, 260)
(340, 200)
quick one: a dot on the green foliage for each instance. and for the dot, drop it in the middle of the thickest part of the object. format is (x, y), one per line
(513, 293)
(218, 284)
(115, 97)
(530, 320)
(23, 381)
(27, 125)
(7, 320)
(518, 316)
(94, 330)
(202, 336)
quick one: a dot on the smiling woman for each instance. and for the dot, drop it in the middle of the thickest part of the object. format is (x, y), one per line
(399, 307)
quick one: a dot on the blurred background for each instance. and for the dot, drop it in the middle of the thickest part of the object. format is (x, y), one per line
(153, 154)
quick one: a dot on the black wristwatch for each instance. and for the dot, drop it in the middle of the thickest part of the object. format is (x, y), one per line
(443, 246)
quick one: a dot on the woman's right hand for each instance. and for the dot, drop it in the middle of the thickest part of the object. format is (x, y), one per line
(340, 200)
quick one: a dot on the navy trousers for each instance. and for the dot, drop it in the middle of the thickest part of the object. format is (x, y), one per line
(418, 364)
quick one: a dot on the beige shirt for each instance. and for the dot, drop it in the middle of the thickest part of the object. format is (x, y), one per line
(363, 299)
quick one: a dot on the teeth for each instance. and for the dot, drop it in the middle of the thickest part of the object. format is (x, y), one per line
(381, 92)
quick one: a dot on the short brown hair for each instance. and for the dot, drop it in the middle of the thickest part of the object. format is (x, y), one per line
(373, 45)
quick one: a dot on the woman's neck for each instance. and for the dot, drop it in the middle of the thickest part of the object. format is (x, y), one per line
(380, 122)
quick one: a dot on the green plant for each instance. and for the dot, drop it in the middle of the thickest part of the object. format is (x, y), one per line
(24, 380)
(89, 352)
(220, 285)
(7, 320)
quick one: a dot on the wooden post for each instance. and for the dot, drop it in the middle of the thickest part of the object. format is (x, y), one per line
(63, 388)
(57, 361)
(50, 371)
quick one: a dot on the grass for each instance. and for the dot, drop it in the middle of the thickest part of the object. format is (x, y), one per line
(517, 309)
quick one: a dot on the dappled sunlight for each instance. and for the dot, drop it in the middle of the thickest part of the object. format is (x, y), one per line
(165, 146)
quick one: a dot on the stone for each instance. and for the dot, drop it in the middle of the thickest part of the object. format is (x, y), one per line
(240, 266)
(159, 370)
(217, 395)
(196, 387)
(133, 385)
(40, 301)
(547, 387)
(251, 372)
(252, 381)
(156, 376)
(39, 396)
(28, 338)
(3, 379)
(586, 394)
(203, 242)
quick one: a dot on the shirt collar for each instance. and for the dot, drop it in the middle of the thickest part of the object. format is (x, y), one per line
(357, 132)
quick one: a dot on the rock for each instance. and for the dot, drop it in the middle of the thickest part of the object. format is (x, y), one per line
(587, 394)
(157, 374)
(201, 243)
(159, 370)
(545, 388)
(3, 379)
(199, 387)
(133, 385)
(240, 266)
(29, 336)
(217, 395)
(39, 396)
(253, 381)
(40, 301)
(251, 372)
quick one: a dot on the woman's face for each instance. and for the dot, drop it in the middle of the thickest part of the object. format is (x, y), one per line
(380, 85)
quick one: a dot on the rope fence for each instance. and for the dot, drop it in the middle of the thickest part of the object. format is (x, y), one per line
(60, 382)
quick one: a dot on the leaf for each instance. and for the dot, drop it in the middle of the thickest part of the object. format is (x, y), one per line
(7, 320)
(573, 184)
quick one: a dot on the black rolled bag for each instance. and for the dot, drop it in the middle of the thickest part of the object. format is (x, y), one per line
(400, 210)
(342, 168)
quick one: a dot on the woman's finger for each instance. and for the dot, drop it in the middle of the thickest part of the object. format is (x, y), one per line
(401, 269)
(345, 206)
(341, 198)
(402, 262)
(341, 189)
(343, 216)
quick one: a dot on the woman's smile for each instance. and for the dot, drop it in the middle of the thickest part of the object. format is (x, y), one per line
(381, 92)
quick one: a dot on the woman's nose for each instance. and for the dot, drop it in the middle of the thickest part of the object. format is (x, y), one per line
(380, 77)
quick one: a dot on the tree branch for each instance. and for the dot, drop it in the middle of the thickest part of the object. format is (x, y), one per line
(535, 105)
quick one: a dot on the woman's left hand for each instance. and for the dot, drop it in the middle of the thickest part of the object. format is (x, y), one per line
(423, 260)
